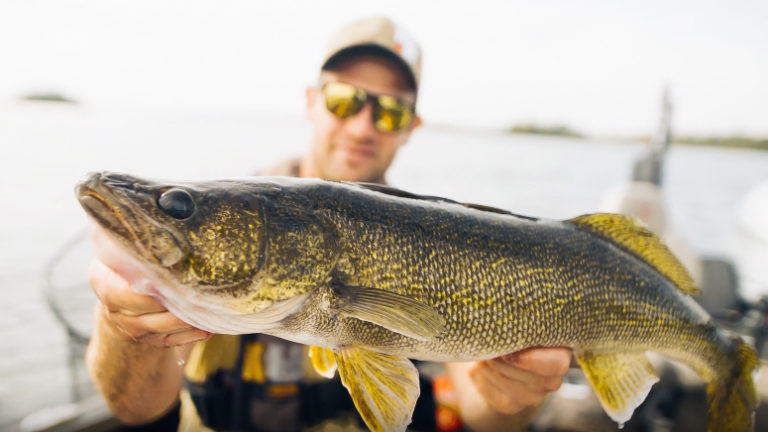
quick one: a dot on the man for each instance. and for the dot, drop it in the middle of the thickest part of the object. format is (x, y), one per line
(362, 111)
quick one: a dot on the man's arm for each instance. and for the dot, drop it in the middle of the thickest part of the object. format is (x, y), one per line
(131, 355)
(505, 393)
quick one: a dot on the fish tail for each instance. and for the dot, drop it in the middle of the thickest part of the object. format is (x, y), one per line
(732, 395)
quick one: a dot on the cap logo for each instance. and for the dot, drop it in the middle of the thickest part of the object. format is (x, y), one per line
(406, 46)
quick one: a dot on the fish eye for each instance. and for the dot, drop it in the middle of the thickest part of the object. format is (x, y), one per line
(177, 203)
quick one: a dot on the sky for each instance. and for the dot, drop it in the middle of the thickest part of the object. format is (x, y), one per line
(597, 66)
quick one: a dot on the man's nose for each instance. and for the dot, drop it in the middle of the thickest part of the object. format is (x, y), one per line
(361, 124)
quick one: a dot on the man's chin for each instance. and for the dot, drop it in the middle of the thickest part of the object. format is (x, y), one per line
(356, 154)
(353, 173)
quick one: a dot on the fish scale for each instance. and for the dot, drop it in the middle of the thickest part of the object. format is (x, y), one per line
(454, 264)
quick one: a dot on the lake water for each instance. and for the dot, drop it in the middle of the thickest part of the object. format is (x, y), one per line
(45, 149)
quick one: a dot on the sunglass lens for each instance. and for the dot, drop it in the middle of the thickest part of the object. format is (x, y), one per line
(343, 100)
(391, 114)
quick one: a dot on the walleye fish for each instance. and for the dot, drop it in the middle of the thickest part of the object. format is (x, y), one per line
(371, 276)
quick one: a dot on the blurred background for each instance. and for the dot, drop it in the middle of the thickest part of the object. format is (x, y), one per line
(541, 108)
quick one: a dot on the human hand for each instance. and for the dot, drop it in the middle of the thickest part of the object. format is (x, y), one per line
(520, 380)
(137, 315)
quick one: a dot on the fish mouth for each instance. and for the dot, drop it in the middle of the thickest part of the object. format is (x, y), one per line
(102, 205)
(118, 203)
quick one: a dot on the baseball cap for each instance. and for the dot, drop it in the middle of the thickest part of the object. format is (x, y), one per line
(381, 33)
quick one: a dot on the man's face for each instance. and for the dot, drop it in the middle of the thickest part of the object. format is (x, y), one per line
(352, 149)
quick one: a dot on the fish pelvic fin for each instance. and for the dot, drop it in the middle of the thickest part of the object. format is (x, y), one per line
(641, 242)
(323, 360)
(390, 310)
(620, 380)
(732, 397)
(383, 387)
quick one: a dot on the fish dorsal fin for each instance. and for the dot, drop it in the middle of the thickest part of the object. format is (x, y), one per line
(621, 381)
(383, 387)
(389, 190)
(390, 310)
(640, 241)
(323, 360)
(404, 194)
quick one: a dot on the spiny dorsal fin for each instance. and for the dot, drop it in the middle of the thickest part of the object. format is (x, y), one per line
(389, 190)
(639, 240)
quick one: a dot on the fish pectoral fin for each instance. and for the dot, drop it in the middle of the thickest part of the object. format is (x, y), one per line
(323, 360)
(383, 387)
(390, 310)
(621, 380)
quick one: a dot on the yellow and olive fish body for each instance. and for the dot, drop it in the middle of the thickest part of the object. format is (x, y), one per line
(372, 276)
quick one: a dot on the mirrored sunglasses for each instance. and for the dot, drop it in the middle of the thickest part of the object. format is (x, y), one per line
(390, 114)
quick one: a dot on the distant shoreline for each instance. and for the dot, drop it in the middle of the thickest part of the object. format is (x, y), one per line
(555, 130)
(733, 141)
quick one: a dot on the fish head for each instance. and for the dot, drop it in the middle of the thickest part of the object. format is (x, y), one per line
(204, 240)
